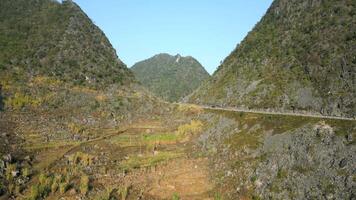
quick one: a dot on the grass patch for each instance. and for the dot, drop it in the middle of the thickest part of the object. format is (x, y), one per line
(342, 127)
(195, 127)
(243, 139)
(48, 145)
(164, 137)
(128, 140)
(281, 174)
(148, 160)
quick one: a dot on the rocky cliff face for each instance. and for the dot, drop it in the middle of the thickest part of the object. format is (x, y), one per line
(170, 77)
(300, 56)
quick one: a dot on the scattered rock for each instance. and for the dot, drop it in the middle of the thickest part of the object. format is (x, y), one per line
(155, 152)
(343, 163)
(72, 192)
(15, 173)
(7, 158)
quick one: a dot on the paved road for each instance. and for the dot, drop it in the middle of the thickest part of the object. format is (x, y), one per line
(276, 113)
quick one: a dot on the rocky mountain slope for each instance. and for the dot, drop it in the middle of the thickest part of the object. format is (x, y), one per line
(170, 77)
(58, 40)
(60, 82)
(259, 156)
(299, 57)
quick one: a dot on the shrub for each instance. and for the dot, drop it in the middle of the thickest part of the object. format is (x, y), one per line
(84, 184)
(35, 193)
(81, 158)
(42, 179)
(63, 187)
(20, 100)
(9, 169)
(11, 188)
(54, 186)
(75, 128)
(26, 172)
(189, 109)
(193, 128)
(175, 197)
(124, 192)
(218, 196)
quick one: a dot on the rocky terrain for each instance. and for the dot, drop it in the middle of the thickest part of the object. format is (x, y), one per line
(75, 124)
(170, 77)
(277, 157)
(61, 83)
(299, 57)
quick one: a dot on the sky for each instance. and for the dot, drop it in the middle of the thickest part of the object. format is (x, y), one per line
(208, 30)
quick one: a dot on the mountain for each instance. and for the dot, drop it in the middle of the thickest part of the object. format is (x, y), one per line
(170, 77)
(299, 57)
(44, 37)
(61, 82)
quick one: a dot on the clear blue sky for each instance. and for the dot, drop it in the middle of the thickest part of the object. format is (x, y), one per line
(205, 29)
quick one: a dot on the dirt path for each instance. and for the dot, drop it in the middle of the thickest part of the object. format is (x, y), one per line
(187, 178)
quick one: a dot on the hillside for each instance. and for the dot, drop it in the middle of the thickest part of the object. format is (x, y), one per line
(61, 84)
(58, 40)
(170, 77)
(298, 58)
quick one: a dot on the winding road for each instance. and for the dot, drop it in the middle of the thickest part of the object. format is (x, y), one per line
(273, 113)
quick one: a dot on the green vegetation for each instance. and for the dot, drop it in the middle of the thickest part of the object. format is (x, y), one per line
(183, 132)
(128, 140)
(281, 174)
(148, 160)
(194, 128)
(19, 101)
(218, 196)
(43, 188)
(81, 159)
(84, 184)
(175, 196)
(124, 192)
(53, 29)
(170, 77)
(287, 63)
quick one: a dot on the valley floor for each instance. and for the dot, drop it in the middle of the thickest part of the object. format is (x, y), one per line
(199, 153)
(147, 159)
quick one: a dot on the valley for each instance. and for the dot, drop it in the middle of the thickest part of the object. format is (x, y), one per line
(276, 120)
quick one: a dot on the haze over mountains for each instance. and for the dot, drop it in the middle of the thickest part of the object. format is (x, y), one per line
(299, 57)
(170, 77)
